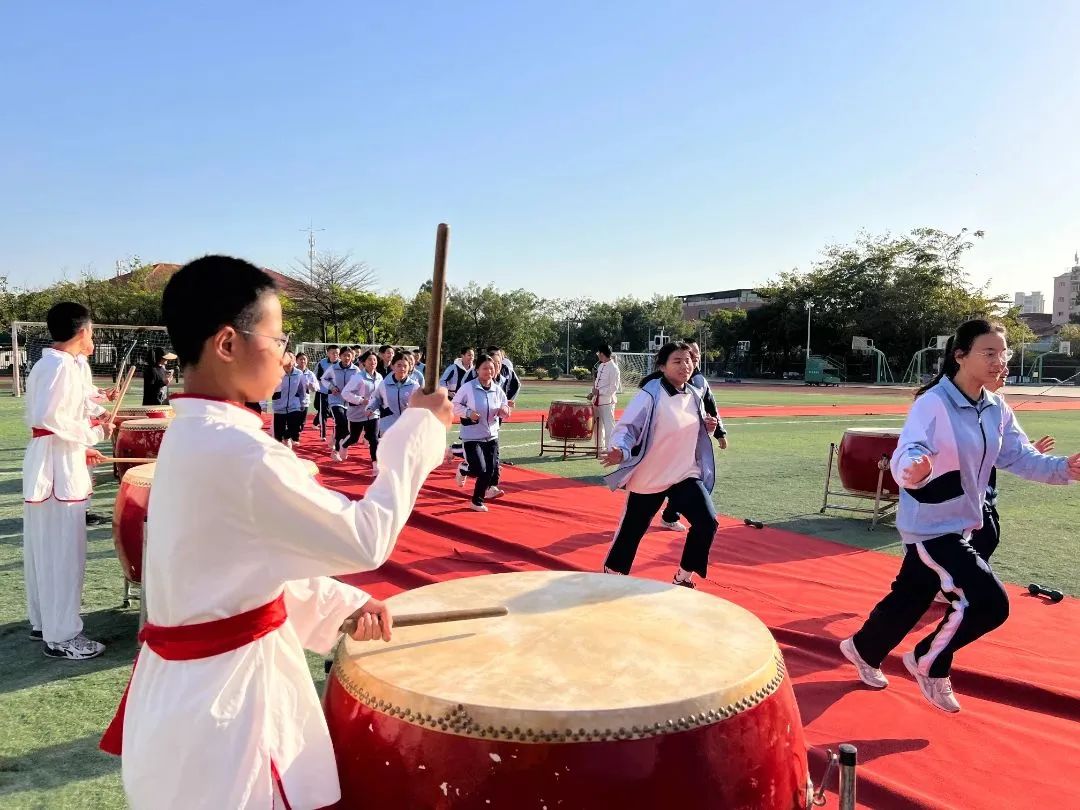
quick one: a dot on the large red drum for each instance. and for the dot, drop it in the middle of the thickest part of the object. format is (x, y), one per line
(143, 412)
(861, 450)
(129, 519)
(570, 420)
(596, 691)
(139, 438)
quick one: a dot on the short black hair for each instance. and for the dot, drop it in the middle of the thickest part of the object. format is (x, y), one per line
(333, 347)
(604, 349)
(492, 349)
(363, 358)
(158, 354)
(384, 347)
(465, 349)
(66, 319)
(298, 355)
(207, 294)
(398, 355)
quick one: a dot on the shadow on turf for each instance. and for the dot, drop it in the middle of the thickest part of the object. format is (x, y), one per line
(849, 531)
(56, 765)
(25, 666)
(92, 555)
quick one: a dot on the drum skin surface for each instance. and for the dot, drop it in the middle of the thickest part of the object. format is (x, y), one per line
(143, 412)
(860, 451)
(129, 519)
(596, 691)
(139, 438)
(570, 420)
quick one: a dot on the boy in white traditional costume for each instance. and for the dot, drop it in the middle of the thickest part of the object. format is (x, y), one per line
(56, 485)
(221, 711)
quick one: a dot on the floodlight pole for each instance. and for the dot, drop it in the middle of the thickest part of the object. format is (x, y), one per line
(809, 306)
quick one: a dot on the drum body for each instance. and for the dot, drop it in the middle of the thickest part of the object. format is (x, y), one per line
(570, 420)
(581, 698)
(861, 450)
(129, 519)
(139, 438)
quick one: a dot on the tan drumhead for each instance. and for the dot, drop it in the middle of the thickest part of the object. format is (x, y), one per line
(146, 424)
(143, 410)
(881, 432)
(580, 657)
(141, 476)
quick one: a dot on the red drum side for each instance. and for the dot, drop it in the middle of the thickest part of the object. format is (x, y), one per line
(129, 519)
(570, 421)
(139, 438)
(860, 452)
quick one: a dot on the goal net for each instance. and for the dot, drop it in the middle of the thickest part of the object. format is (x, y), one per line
(633, 366)
(115, 345)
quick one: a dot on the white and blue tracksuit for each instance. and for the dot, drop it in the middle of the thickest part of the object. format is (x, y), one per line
(697, 379)
(648, 415)
(965, 440)
(336, 378)
(391, 399)
(322, 407)
(453, 377)
(480, 411)
(358, 394)
(289, 405)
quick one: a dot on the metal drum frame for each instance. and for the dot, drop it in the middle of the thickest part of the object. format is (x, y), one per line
(885, 504)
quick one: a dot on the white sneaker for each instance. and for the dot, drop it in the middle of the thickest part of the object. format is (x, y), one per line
(493, 492)
(938, 691)
(335, 456)
(674, 525)
(867, 674)
(79, 648)
(478, 507)
(459, 477)
(344, 453)
(288, 443)
(374, 468)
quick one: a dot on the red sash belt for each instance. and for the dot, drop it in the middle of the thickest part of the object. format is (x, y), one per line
(40, 433)
(189, 642)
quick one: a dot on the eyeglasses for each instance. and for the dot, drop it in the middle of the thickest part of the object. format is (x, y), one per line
(989, 355)
(282, 342)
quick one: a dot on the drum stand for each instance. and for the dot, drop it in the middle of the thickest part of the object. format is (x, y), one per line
(570, 447)
(885, 503)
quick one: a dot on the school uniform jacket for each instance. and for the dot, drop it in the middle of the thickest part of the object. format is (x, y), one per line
(338, 377)
(290, 393)
(633, 434)
(482, 408)
(392, 396)
(358, 394)
(965, 440)
(453, 377)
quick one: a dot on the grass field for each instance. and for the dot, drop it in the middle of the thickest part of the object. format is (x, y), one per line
(52, 712)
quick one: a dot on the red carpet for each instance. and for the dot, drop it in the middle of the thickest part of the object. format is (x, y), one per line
(809, 409)
(1020, 687)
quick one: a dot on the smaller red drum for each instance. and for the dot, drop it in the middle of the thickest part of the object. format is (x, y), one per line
(129, 519)
(139, 438)
(861, 450)
(143, 412)
(570, 420)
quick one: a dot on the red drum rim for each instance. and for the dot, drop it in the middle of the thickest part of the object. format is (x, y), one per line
(878, 432)
(146, 424)
(141, 475)
(545, 673)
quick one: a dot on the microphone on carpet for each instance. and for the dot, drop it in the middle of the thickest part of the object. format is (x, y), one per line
(1052, 594)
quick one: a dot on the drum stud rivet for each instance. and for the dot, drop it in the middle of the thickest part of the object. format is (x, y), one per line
(491, 729)
(517, 730)
(460, 708)
(636, 730)
(408, 712)
(503, 730)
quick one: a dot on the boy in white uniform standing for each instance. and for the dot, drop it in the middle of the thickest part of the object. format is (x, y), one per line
(221, 711)
(605, 394)
(57, 487)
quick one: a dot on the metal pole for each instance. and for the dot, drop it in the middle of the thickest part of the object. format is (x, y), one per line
(16, 379)
(809, 306)
(1020, 379)
(848, 756)
(567, 347)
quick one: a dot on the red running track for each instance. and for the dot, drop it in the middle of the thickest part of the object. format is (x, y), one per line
(1012, 744)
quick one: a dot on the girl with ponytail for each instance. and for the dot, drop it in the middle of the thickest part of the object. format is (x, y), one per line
(957, 431)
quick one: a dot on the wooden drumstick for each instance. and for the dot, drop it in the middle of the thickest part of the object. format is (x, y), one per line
(114, 460)
(435, 617)
(438, 303)
(121, 394)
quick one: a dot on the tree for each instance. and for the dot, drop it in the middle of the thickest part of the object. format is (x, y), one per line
(1016, 331)
(1071, 333)
(328, 291)
(726, 328)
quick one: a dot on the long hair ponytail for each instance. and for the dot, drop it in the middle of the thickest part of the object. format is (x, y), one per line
(966, 335)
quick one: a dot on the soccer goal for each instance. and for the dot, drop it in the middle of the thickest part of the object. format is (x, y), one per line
(633, 366)
(116, 346)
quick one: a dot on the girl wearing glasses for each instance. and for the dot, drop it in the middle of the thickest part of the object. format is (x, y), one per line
(956, 432)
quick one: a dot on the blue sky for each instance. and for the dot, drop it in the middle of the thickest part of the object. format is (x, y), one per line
(576, 149)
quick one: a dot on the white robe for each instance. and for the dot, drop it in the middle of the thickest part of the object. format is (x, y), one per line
(235, 518)
(56, 489)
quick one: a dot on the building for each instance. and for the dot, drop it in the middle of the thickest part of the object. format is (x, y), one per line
(160, 273)
(1041, 323)
(700, 305)
(1030, 303)
(1066, 294)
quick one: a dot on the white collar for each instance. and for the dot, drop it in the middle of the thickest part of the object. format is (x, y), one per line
(218, 410)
